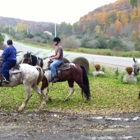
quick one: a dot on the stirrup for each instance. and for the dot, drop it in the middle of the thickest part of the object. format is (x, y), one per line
(54, 79)
(5, 81)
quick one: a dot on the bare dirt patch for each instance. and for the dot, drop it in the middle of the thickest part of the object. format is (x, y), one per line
(68, 126)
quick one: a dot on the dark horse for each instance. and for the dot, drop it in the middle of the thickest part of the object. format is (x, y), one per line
(73, 73)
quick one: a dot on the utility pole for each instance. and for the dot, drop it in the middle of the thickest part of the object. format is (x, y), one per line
(55, 29)
(27, 31)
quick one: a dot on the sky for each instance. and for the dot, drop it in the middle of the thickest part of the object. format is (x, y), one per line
(57, 11)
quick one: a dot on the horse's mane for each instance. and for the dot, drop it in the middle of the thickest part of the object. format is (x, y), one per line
(34, 60)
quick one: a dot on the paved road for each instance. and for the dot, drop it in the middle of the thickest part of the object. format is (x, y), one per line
(120, 62)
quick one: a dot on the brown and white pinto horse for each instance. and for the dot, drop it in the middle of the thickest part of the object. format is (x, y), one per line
(75, 73)
(29, 76)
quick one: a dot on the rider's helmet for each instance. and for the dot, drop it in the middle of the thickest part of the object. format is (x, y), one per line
(57, 39)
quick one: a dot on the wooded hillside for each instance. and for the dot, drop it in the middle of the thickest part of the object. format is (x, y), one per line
(114, 26)
(7, 24)
(118, 18)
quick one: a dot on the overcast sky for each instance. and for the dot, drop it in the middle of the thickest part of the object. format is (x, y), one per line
(58, 11)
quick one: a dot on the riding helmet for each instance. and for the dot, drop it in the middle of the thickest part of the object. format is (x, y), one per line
(56, 39)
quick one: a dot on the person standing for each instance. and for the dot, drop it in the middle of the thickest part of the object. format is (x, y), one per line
(8, 60)
(57, 59)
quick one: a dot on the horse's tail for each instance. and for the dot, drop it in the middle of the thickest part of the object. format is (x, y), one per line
(41, 74)
(86, 89)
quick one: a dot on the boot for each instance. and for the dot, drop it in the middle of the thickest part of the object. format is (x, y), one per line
(5, 80)
(54, 79)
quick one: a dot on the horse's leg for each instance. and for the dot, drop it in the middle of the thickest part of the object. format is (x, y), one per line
(71, 85)
(82, 86)
(41, 95)
(28, 91)
(45, 85)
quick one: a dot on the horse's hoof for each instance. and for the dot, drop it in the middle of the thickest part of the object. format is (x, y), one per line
(48, 99)
(65, 100)
(42, 105)
(86, 101)
(20, 110)
(36, 110)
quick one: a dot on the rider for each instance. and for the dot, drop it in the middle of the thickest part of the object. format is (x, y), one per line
(58, 58)
(8, 60)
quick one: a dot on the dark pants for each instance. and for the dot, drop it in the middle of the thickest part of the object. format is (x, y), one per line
(6, 66)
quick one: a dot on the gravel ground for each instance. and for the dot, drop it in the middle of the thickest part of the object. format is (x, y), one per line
(45, 125)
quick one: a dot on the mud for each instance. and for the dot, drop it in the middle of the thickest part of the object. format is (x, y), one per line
(47, 125)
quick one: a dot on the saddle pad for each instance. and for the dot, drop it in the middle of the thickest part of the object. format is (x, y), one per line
(14, 71)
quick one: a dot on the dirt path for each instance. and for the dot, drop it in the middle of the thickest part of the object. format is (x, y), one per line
(61, 126)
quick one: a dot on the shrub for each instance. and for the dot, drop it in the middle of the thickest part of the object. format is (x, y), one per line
(91, 44)
(71, 42)
(84, 42)
(37, 39)
(101, 43)
(115, 43)
(1, 39)
(19, 36)
(29, 36)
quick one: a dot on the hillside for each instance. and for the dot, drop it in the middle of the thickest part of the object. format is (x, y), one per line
(115, 19)
(6, 23)
(118, 18)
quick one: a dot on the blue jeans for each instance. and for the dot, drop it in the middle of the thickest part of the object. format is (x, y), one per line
(53, 67)
(6, 66)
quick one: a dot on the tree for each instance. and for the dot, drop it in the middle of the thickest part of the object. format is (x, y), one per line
(2, 46)
(133, 3)
(119, 27)
(20, 27)
(101, 43)
(71, 42)
(115, 43)
(1, 39)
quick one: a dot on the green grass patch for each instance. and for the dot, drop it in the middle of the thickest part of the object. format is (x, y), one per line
(108, 95)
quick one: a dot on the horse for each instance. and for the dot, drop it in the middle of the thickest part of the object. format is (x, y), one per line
(74, 73)
(29, 76)
(34, 60)
(136, 67)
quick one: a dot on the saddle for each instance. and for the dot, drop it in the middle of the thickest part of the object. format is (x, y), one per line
(13, 70)
(62, 66)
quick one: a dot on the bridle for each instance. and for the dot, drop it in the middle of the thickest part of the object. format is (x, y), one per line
(136, 70)
(27, 58)
(32, 60)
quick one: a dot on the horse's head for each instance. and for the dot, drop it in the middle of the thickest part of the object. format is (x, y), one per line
(136, 67)
(27, 58)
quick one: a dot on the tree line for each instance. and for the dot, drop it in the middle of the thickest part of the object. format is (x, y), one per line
(107, 27)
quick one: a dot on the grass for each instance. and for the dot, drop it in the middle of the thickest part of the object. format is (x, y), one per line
(108, 95)
(106, 52)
